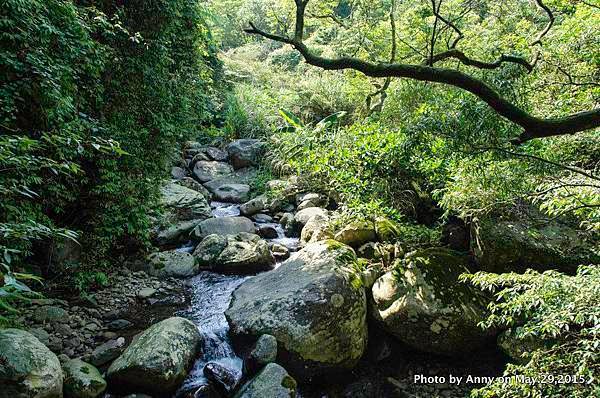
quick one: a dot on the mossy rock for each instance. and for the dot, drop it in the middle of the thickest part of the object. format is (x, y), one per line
(82, 380)
(357, 234)
(387, 230)
(271, 382)
(424, 305)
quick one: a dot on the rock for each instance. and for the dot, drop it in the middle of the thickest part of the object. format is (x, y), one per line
(272, 382)
(303, 216)
(176, 233)
(254, 206)
(27, 367)
(245, 152)
(316, 229)
(224, 226)
(194, 185)
(108, 351)
(313, 304)
(286, 218)
(177, 173)
(226, 380)
(263, 352)
(310, 200)
(280, 252)
(171, 263)
(278, 185)
(357, 233)
(204, 391)
(268, 231)
(262, 218)
(41, 335)
(456, 234)
(185, 203)
(146, 292)
(423, 304)
(158, 360)
(513, 246)
(387, 230)
(232, 193)
(82, 380)
(119, 324)
(206, 171)
(50, 313)
(216, 154)
(234, 254)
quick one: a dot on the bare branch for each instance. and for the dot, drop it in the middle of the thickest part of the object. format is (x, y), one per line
(544, 32)
(457, 54)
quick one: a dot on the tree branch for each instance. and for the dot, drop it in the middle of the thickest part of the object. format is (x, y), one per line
(544, 32)
(533, 126)
(463, 58)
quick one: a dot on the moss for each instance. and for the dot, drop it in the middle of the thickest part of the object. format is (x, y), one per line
(289, 382)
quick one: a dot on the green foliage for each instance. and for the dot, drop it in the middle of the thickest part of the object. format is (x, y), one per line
(553, 307)
(93, 101)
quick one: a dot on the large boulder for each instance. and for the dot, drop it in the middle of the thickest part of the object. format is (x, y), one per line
(239, 254)
(82, 380)
(176, 233)
(317, 228)
(185, 203)
(158, 360)
(357, 234)
(313, 304)
(245, 152)
(505, 246)
(424, 305)
(255, 206)
(194, 185)
(233, 193)
(27, 367)
(271, 382)
(224, 226)
(206, 171)
(304, 215)
(171, 263)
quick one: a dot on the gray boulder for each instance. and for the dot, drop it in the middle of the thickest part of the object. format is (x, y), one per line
(206, 171)
(263, 352)
(316, 229)
(233, 193)
(424, 305)
(246, 152)
(82, 380)
(272, 382)
(304, 215)
(313, 304)
(254, 206)
(171, 263)
(239, 254)
(194, 185)
(224, 226)
(50, 313)
(158, 360)
(108, 351)
(27, 367)
(185, 203)
(357, 234)
(176, 233)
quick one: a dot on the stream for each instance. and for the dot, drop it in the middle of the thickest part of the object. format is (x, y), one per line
(210, 294)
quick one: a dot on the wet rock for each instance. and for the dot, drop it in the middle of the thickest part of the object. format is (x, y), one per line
(262, 218)
(232, 193)
(158, 360)
(192, 184)
(27, 367)
(357, 234)
(226, 380)
(280, 252)
(254, 206)
(224, 226)
(267, 231)
(108, 351)
(176, 233)
(171, 263)
(273, 382)
(146, 292)
(82, 380)
(245, 152)
(185, 203)
(41, 335)
(423, 304)
(204, 391)
(263, 352)
(240, 254)
(50, 313)
(310, 200)
(119, 324)
(313, 304)
(206, 171)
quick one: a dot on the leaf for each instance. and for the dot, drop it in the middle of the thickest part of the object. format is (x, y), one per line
(291, 119)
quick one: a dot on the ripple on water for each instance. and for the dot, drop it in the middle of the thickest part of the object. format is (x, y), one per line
(222, 209)
(210, 297)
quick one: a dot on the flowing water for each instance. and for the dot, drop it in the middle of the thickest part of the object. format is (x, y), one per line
(210, 296)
